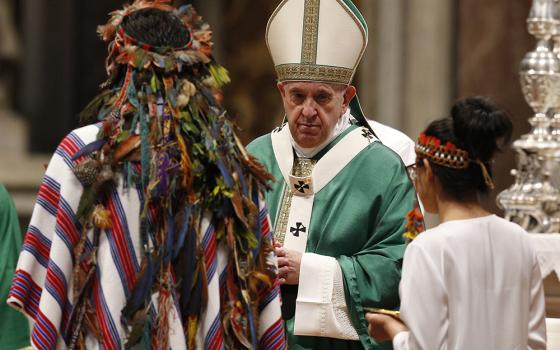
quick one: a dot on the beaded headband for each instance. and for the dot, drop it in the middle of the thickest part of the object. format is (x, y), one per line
(448, 155)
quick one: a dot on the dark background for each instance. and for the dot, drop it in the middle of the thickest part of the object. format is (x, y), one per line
(62, 63)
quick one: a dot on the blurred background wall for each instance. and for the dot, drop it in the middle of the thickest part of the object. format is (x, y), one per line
(422, 55)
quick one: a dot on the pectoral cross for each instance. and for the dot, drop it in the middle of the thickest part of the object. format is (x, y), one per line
(301, 186)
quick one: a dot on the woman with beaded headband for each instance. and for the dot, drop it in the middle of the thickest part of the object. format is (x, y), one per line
(150, 230)
(472, 282)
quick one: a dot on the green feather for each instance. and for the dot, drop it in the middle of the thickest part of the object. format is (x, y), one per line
(89, 114)
(220, 75)
(140, 333)
(87, 201)
(154, 84)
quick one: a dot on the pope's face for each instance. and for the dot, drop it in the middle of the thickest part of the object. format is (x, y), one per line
(313, 109)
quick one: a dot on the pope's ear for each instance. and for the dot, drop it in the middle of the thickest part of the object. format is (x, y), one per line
(349, 94)
(282, 88)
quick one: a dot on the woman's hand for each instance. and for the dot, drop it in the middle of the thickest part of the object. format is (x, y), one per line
(384, 327)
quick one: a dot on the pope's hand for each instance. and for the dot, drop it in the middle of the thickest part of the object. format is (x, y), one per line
(289, 262)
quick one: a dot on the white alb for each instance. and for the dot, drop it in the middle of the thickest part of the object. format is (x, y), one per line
(472, 284)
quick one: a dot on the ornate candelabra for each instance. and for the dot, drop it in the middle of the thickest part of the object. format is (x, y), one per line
(533, 201)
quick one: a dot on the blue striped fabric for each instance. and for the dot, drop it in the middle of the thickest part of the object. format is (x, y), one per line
(42, 286)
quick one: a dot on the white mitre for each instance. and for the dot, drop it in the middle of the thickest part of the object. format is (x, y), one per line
(316, 40)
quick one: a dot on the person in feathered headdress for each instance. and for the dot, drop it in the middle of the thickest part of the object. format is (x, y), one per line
(149, 229)
(341, 198)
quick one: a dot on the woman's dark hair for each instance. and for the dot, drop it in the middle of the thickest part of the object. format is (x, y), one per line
(157, 28)
(477, 126)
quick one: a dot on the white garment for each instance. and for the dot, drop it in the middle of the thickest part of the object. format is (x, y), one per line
(321, 308)
(472, 284)
(396, 140)
(547, 248)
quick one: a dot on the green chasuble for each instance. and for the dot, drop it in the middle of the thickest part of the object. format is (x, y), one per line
(14, 329)
(358, 217)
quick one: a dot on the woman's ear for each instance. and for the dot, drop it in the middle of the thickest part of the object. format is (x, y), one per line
(429, 172)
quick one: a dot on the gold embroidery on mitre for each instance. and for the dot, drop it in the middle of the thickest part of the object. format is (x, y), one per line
(314, 72)
(310, 31)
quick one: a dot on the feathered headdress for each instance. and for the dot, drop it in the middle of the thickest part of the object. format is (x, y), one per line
(164, 131)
